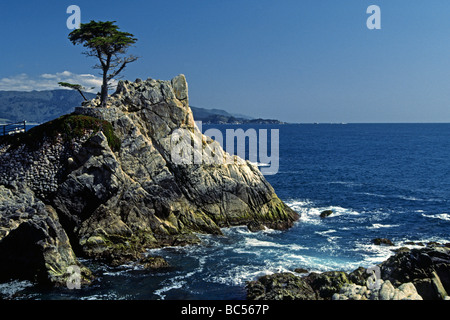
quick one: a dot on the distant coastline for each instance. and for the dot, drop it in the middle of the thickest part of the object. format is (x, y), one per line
(218, 116)
(37, 107)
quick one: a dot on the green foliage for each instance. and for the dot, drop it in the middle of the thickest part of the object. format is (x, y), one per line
(104, 41)
(71, 85)
(103, 37)
(68, 127)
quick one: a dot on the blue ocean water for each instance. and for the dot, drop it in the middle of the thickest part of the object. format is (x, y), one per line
(380, 180)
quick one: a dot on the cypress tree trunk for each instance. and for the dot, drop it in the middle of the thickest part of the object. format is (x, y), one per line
(104, 94)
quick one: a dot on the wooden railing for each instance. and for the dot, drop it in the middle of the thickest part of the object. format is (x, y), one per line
(13, 128)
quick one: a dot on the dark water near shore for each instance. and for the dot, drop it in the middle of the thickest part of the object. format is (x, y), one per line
(381, 180)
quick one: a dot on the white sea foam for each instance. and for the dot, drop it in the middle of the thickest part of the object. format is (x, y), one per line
(9, 289)
(252, 242)
(346, 183)
(259, 243)
(179, 281)
(441, 216)
(107, 296)
(326, 232)
(372, 194)
(374, 254)
(311, 214)
(379, 225)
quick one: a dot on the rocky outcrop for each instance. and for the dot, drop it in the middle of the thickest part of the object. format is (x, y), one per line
(326, 213)
(385, 291)
(287, 286)
(427, 268)
(161, 182)
(383, 242)
(281, 286)
(417, 274)
(33, 244)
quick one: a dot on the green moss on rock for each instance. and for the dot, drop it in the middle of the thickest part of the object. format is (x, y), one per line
(67, 127)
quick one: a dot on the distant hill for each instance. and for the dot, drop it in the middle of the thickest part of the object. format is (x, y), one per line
(43, 106)
(38, 106)
(218, 116)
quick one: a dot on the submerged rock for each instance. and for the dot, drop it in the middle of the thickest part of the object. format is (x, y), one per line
(383, 241)
(154, 263)
(326, 213)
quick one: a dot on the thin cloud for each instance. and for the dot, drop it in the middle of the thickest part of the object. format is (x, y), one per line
(49, 81)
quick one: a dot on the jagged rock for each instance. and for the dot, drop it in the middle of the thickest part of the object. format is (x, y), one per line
(382, 241)
(155, 194)
(300, 270)
(386, 291)
(359, 276)
(287, 286)
(417, 274)
(118, 193)
(427, 268)
(255, 226)
(326, 213)
(327, 283)
(154, 263)
(33, 245)
(281, 286)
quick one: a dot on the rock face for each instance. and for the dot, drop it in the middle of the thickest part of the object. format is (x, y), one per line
(33, 244)
(165, 182)
(408, 275)
(326, 213)
(282, 286)
(383, 242)
(428, 269)
(386, 291)
(287, 286)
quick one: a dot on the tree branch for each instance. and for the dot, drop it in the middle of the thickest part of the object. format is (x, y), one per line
(124, 63)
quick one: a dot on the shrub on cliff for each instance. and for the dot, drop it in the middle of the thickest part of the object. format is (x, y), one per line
(67, 127)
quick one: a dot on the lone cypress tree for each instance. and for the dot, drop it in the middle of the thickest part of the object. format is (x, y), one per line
(104, 41)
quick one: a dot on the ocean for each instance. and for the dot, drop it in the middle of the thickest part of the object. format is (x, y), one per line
(381, 181)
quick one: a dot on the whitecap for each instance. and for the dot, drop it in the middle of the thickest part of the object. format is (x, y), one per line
(312, 214)
(252, 242)
(441, 216)
(372, 194)
(346, 183)
(374, 254)
(379, 225)
(408, 198)
(324, 233)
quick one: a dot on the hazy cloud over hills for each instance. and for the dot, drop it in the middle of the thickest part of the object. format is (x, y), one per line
(48, 81)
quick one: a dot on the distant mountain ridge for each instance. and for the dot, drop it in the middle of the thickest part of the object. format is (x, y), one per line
(38, 106)
(218, 116)
(46, 105)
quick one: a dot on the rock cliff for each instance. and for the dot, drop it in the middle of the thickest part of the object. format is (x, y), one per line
(116, 193)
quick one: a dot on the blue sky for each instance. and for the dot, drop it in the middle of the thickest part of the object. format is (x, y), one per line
(297, 61)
